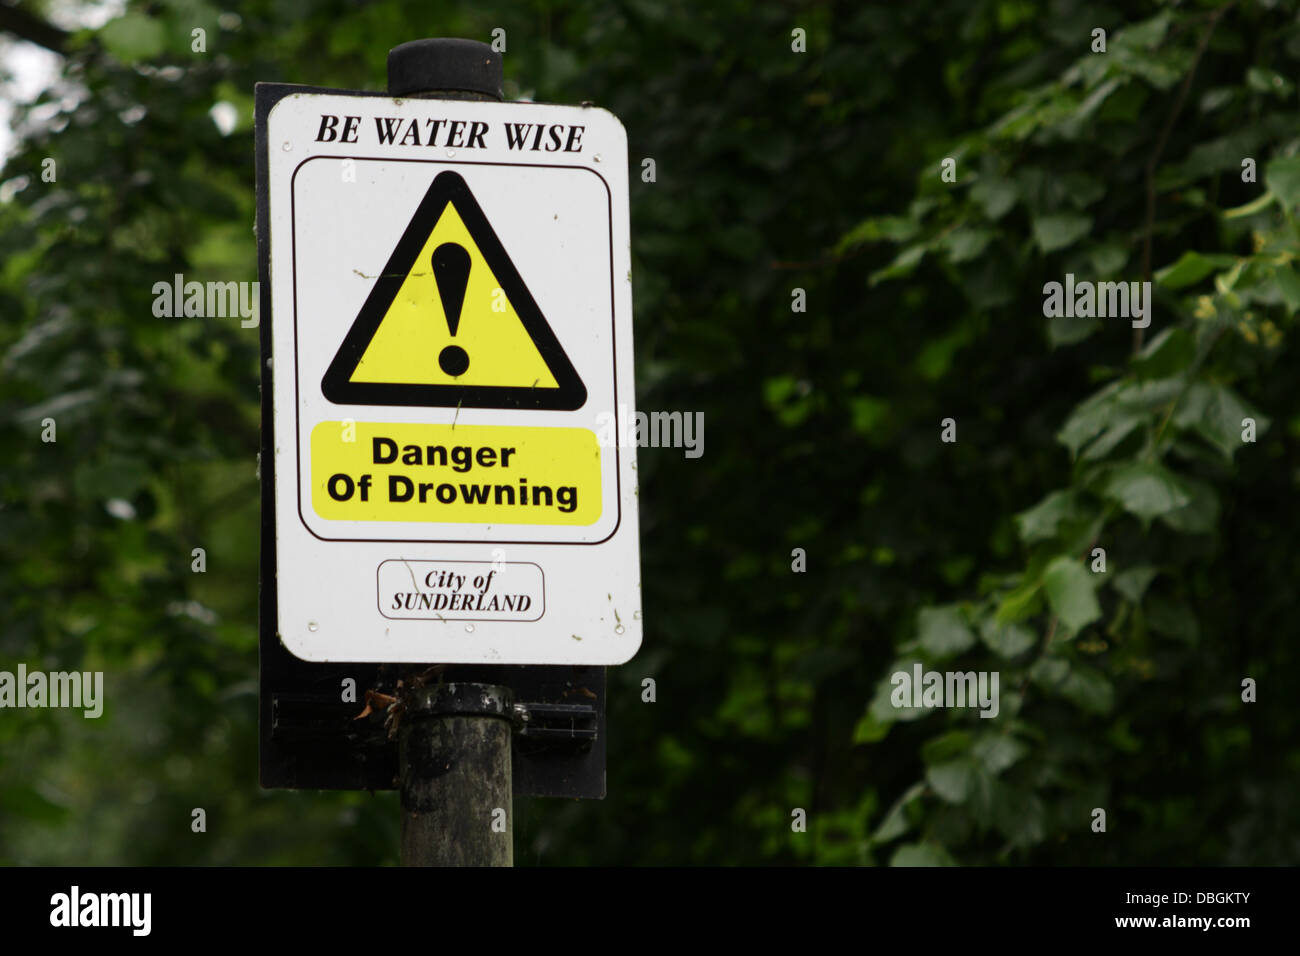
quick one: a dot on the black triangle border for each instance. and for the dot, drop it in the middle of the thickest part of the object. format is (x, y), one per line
(449, 187)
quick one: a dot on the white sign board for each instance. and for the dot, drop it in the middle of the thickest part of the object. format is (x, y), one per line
(452, 364)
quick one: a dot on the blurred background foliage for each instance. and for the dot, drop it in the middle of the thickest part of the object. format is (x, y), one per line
(776, 170)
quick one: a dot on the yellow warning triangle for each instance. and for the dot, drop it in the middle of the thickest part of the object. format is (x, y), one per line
(450, 322)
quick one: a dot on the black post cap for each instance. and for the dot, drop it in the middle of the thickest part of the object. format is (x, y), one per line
(444, 65)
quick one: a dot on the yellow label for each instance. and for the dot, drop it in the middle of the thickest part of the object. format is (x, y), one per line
(466, 474)
(415, 329)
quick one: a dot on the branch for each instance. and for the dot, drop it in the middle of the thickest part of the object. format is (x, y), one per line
(31, 28)
(1161, 142)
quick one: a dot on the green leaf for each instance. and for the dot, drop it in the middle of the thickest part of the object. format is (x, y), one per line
(1191, 268)
(789, 399)
(936, 358)
(30, 804)
(1089, 419)
(882, 708)
(114, 476)
(1057, 230)
(945, 747)
(1122, 424)
(1066, 330)
(987, 285)
(966, 243)
(1150, 395)
(998, 752)
(1088, 689)
(1198, 516)
(133, 37)
(1049, 672)
(1019, 815)
(1208, 158)
(903, 265)
(1006, 640)
(1147, 34)
(869, 729)
(952, 780)
(1282, 176)
(1133, 582)
(1109, 257)
(1021, 603)
(1146, 490)
(867, 413)
(1043, 520)
(943, 631)
(1138, 49)
(1215, 412)
(891, 228)
(1071, 591)
(1269, 81)
(1094, 100)
(995, 194)
(896, 821)
(1169, 353)
(1288, 283)
(921, 854)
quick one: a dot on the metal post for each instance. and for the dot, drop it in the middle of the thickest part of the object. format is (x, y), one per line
(444, 68)
(456, 786)
(454, 743)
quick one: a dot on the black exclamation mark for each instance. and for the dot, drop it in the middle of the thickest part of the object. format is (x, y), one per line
(451, 272)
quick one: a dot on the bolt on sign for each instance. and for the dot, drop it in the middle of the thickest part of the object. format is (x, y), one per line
(451, 333)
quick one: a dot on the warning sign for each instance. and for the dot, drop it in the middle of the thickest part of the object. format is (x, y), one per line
(475, 473)
(450, 342)
(450, 322)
